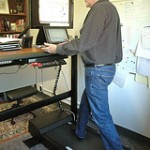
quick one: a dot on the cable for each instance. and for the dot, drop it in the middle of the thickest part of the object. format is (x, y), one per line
(17, 70)
(70, 113)
(55, 86)
(54, 92)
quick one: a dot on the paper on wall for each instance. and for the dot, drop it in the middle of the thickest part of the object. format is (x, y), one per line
(143, 66)
(141, 52)
(141, 79)
(146, 37)
(120, 77)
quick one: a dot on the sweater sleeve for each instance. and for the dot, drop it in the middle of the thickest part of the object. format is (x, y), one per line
(70, 48)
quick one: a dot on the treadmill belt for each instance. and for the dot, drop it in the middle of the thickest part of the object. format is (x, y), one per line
(62, 138)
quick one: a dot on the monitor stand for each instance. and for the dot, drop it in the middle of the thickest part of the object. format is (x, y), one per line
(40, 37)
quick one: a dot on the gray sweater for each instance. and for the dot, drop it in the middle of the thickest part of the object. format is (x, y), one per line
(100, 39)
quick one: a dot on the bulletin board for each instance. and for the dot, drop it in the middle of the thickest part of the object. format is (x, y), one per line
(134, 16)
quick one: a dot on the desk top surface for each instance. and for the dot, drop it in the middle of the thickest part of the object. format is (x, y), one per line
(22, 54)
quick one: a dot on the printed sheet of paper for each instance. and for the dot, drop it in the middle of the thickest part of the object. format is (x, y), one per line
(141, 52)
(143, 66)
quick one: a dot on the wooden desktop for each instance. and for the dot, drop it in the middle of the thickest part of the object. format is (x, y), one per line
(24, 53)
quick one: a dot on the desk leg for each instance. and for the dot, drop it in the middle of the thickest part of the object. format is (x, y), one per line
(74, 85)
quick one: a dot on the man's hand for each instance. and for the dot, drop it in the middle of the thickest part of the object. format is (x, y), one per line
(50, 48)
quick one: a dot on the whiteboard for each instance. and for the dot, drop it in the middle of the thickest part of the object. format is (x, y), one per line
(134, 16)
(54, 11)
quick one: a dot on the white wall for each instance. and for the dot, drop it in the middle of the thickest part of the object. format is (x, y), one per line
(13, 77)
(80, 12)
(130, 106)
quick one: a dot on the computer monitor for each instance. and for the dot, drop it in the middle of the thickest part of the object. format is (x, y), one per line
(55, 35)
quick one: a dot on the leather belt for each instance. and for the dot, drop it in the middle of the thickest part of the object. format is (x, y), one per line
(97, 65)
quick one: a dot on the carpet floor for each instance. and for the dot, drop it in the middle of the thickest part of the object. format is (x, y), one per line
(17, 144)
(14, 127)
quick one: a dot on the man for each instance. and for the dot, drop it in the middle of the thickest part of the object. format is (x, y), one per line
(100, 47)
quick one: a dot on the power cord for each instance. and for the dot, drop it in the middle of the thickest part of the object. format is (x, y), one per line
(54, 93)
(55, 85)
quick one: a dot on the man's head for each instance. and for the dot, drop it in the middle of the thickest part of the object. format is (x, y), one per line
(90, 3)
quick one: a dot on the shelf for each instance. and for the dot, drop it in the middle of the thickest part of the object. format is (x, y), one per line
(10, 32)
(18, 14)
(14, 23)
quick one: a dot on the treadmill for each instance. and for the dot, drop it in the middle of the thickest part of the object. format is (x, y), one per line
(55, 130)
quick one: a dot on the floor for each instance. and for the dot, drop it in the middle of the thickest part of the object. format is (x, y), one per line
(132, 141)
(18, 144)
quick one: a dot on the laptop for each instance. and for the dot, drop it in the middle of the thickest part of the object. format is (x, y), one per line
(55, 35)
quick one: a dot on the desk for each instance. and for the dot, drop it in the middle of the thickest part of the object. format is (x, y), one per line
(20, 54)
(28, 55)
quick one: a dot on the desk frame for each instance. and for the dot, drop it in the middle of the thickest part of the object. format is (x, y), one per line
(33, 53)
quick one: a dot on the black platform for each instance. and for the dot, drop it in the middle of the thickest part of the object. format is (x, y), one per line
(62, 138)
(42, 124)
(55, 131)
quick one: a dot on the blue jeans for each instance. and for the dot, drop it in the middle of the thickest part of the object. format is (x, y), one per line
(95, 102)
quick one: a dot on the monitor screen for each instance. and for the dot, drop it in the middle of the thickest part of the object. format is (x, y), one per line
(55, 35)
(55, 13)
